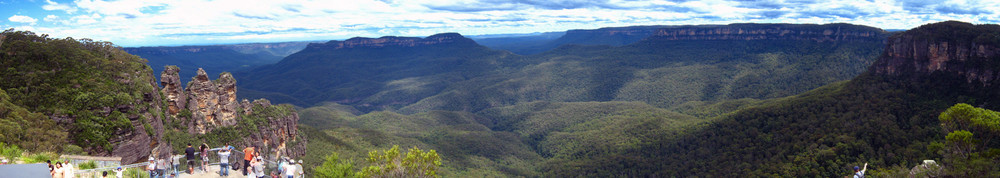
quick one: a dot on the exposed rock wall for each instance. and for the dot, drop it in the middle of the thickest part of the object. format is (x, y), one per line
(819, 33)
(920, 52)
(280, 135)
(138, 144)
(171, 82)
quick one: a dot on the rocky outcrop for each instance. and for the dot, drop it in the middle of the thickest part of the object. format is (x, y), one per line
(278, 134)
(140, 142)
(952, 48)
(392, 41)
(172, 89)
(213, 104)
(819, 33)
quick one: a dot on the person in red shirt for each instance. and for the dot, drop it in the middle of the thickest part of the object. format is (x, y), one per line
(247, 156)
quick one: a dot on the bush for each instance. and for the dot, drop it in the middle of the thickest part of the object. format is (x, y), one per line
(333, 167)
(10, 151)
(39, 157)
(390, 163)
(87, 165)
(72, 149)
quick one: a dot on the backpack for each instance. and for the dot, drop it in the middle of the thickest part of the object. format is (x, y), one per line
(859, 175)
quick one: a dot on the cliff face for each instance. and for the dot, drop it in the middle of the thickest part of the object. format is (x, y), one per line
(819, 33)
(279, 134)
(137, 145)
(212, 103)
(949, 48)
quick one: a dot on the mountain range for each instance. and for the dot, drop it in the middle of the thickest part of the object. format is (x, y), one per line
(215, 58)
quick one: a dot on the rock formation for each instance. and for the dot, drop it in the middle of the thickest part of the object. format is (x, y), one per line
(923, 51)
(213, 104)
(280, 135)
(171, 82)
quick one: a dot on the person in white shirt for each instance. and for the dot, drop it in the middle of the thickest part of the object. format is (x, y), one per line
(300, 173)
(118, 172)
(68, 170)
(290, 169)
(259, 167)
(224, 161)
(151, 168)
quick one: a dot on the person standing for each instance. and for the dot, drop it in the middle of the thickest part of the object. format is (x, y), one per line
(68, 169)
(161, 165)
(860, 173)
(52, 168)
(281, 166)
(151, 167)
(118, 172)
(189, 154)
(248, 169)
(290, 169)
(224, 161)
(204, 157)
(247, 157)
(58, 171)
(300, 173)
(259, 167)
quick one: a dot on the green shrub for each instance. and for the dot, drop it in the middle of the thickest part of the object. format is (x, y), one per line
(39, 157)
(334, 167)
(10, 151)
(72, 149)
(87, 165)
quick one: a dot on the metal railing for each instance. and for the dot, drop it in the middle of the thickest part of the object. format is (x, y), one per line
(177, 165)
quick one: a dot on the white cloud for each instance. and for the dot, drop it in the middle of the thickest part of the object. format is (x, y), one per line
(158, 22)
(51, 18)
(22, 19)
(86, 19)
(50, 6)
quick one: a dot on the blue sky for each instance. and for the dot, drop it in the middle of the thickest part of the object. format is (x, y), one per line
(178, 22)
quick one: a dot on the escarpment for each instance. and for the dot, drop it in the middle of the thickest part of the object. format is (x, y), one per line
(818, 33)
(964, 51)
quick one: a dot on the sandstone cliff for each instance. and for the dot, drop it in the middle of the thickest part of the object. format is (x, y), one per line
(966, 51)
(137, 145)
(819, 33)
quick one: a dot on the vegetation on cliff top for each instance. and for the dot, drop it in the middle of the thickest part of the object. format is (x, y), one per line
(87, 86)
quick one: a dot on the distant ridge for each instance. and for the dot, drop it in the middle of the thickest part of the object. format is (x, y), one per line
(353, 70)
(393, 41)
(819, 33)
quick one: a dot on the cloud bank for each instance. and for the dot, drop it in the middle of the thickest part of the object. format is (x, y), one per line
(174, 22)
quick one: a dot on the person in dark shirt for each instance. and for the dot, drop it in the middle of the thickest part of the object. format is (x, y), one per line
(189, 155)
